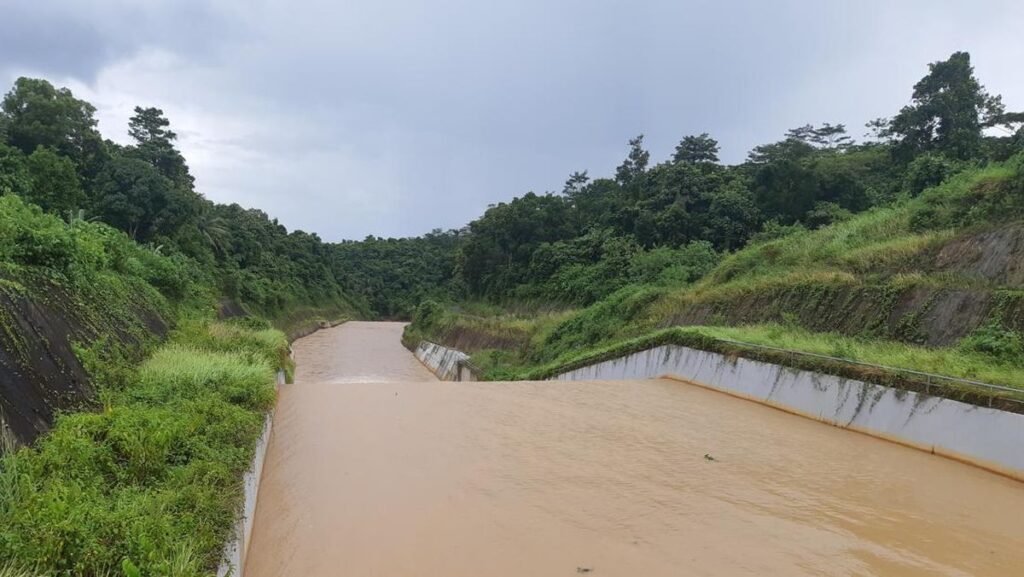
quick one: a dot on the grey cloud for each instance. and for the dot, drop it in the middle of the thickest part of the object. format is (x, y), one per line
(396, 117)
(78, 38)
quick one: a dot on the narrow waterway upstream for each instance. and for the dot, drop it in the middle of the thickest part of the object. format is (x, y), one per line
(376, 468)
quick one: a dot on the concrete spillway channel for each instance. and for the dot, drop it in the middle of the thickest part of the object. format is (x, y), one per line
(376, 468)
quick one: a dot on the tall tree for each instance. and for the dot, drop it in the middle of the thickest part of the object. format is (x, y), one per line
(133, 196)
(575, 183)
(826, 136)
(699, 148)
(948, 111)
(155, 145)
(54, 182)
(635, 163)
(879, 129)
(37, 114)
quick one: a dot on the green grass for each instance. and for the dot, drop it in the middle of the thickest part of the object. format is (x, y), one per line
(479, 327)
(559, 341)
(155, 476)
(864, 265)
(953, 362)
(961, 362)
(965, 363)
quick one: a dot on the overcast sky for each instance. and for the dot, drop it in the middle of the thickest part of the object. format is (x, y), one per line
(349, 118)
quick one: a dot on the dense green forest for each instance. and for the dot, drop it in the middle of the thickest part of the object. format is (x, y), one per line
(902, 249)
(394, 275)
(670, 222)
(660, 223)
(52, 156)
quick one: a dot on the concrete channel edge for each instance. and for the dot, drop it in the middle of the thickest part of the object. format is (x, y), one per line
(447, 364)
(233, 558)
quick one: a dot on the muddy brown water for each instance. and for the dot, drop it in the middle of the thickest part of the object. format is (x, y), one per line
(375, 468)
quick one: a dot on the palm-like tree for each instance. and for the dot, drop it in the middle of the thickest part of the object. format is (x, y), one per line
(214, 230)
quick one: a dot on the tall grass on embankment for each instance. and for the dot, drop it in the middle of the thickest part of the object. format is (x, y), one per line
(151, 484)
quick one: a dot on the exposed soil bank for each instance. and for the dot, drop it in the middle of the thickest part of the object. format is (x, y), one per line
(376, 468)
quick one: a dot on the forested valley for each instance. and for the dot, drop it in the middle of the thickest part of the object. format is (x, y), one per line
(142, 324)
(649, 222)
(899, 248)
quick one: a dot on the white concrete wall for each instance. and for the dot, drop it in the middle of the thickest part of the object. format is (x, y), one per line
(233, 563)
(989, 438)
(443, 362)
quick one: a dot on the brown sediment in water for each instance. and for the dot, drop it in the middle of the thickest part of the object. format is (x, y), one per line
(377, 468)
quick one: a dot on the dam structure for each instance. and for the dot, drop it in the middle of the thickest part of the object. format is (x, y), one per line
(375, 467)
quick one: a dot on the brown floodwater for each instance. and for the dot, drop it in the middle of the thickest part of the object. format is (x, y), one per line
(375, 468)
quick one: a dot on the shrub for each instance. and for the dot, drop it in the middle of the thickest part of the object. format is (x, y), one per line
(673, 266)
(999, 342)
(929, 170)
(184, 371)
(824, 214)
(427, 313)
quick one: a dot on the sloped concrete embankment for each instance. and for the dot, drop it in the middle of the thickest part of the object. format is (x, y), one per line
(984, 437)
(233, 564)
(446, 363)
(41, 325)
(235, 551)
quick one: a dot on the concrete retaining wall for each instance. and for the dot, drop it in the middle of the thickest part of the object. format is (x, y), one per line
(233, 563)
(447, 364)
(988, 438)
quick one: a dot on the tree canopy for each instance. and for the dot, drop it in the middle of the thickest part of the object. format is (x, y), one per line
(571, 246)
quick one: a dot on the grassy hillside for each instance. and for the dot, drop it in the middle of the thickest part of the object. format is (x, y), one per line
(69, 290)
(932, 283)
(150, 406)
(151, 484)
(65, 289)
(128, 412)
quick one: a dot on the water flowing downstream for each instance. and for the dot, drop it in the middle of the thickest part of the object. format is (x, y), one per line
(375, 468)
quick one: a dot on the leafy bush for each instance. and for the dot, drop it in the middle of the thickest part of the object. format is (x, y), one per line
(427, 313)
(30, 237)
(596, 324)
(998, 342)
(673, 266)
(773, 230)
(929, 170)
(824, 214)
